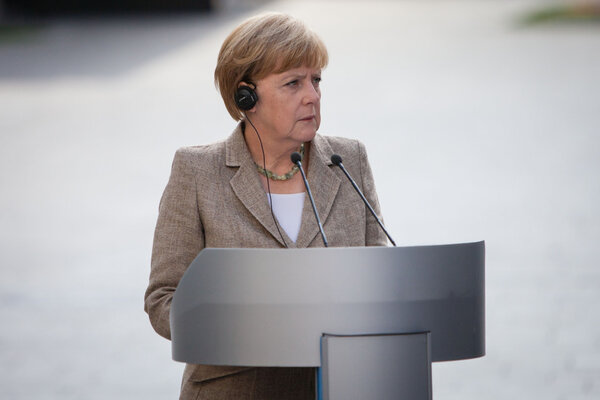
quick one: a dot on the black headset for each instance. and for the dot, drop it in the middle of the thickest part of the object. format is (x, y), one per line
(245, 97)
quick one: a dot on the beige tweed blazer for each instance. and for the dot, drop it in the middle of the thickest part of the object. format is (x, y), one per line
(214, 198)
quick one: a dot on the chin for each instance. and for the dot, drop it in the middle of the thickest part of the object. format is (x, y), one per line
(304, 134)
(308, 136)
(310, 132)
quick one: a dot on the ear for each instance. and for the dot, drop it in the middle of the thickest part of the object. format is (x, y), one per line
(246, 97)
(247, 83)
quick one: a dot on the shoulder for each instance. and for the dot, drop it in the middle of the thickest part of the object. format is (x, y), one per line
(348, 149)
(196, 156)
(338, 141)
(227, 152)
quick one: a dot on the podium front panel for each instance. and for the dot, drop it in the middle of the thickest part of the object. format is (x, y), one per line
(269, 307)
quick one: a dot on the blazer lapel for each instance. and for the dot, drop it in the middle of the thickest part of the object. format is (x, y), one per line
(246, 184)
(324, 185)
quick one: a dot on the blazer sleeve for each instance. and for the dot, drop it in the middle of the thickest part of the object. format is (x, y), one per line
(374, 234)
(178, 238)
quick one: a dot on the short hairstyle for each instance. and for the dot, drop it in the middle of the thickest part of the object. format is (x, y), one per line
(262, 45)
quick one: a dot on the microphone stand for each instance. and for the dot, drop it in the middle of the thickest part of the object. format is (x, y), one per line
(337, 160)
(296, 160)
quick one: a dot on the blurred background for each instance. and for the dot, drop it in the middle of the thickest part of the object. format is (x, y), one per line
(482, 123)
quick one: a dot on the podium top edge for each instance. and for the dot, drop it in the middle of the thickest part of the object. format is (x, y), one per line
(355, 248)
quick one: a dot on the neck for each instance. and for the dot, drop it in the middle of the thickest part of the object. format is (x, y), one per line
(277, 152)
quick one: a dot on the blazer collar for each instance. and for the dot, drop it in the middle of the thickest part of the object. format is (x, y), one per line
(246, 183)
(236, 151)
(324, 184)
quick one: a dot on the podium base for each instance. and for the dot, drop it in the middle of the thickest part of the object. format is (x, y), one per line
(381, 367)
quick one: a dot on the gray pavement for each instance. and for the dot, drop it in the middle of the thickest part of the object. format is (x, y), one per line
(477, 128)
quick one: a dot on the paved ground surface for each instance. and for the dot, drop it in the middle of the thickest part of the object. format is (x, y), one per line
(477, 128)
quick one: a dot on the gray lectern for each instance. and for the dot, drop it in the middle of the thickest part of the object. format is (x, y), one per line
(372, 318)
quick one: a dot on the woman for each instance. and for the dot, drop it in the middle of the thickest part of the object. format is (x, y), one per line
(245, 191)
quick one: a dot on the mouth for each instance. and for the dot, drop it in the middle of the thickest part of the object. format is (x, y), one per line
(307, 118)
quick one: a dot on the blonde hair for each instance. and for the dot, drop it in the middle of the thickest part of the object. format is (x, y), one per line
(262, 45)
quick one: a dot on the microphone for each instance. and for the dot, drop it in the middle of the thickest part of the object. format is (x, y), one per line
(337, 160)
(296, 159)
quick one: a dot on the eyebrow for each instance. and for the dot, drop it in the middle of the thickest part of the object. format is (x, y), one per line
(285, 77)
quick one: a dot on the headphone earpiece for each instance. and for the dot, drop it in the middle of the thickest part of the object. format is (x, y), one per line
(245, 98)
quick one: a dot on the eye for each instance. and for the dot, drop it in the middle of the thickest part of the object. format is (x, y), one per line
(292, 83)
(317, 80)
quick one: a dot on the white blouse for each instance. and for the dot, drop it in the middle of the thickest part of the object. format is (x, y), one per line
(288, 211)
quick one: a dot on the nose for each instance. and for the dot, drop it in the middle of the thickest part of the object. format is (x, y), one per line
(312, 93)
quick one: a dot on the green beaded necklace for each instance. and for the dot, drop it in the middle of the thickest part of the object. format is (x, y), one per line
(283, 177)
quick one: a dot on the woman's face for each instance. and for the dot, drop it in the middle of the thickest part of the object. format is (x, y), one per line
(289, 104)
